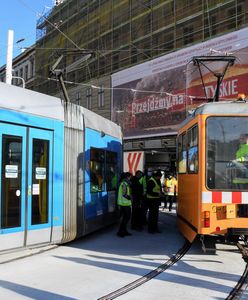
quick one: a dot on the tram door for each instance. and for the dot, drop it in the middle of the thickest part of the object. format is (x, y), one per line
(39, 186)
(26, 191)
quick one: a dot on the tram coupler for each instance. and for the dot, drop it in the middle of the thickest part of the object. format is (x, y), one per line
(243, 251)
(203, 244)
(208, 244)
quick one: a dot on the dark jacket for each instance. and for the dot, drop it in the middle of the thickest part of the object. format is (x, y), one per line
(151, 185)
(137, 189)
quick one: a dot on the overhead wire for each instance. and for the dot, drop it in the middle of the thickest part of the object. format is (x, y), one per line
(50, 23)
(77, 46)
(56, 27)
(193, 97)
(114, 88)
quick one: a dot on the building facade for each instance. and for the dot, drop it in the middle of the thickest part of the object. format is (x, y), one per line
(23, 66)
(118, 36)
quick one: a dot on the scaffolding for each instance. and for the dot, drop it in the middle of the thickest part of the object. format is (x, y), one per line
(126, 32)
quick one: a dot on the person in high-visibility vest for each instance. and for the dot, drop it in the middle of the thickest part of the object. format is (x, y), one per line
(175, 182)
(240, 165)
(242, 153)
(124, 201)
(169, 191)
(154, 193)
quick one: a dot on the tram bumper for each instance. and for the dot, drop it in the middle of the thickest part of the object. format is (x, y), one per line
(237, 231)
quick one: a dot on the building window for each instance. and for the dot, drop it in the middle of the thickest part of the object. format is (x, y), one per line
(134, 56)
(89, 98)
(26, 73)
(21, 72)
(16, 79)
(213, 26)
(101, 97)
(78, 97)
(115, 62)
(32, 68)
(188, 36)
(233, 13)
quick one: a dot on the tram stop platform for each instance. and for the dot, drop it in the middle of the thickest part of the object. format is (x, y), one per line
(102, 263)
(16, 254)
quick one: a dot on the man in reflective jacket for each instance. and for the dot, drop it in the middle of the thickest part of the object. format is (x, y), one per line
(242, 153)
(154, 193)
(170, 191)
(241, 163)
(125, 202)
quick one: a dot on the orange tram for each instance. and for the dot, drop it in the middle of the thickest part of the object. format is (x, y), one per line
(212, 153)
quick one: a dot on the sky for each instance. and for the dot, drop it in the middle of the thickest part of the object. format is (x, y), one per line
(21, 17)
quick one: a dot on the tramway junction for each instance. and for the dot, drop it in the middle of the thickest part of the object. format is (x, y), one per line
(141, 266)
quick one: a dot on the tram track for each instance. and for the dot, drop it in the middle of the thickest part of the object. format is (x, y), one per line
(242, 284)
(136, 283)
(240, 287)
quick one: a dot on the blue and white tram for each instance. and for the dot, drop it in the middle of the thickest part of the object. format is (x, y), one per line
(59, 169)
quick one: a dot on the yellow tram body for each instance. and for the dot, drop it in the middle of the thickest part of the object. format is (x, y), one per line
(212, 199)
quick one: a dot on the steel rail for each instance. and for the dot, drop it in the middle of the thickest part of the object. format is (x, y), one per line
(171, 261)
(242, 284)
(240, 287)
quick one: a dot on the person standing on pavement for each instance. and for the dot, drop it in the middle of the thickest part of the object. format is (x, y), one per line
(125, 202)
(169, 187)
(175, 183)
(137, 194)
(144, 206)
(154, 193)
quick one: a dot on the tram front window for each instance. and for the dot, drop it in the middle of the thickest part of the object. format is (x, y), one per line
(227, 153)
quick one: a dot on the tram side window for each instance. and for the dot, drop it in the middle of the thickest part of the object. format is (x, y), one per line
(97, 157)
(192, 159)
(182, 153)
(111, 171)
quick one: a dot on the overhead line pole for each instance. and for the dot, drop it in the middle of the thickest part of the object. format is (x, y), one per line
(9, 57)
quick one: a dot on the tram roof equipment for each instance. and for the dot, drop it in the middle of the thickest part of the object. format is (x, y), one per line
(202, 62)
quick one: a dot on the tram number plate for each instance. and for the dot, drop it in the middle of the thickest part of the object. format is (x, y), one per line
(220, 212)
(226, 212)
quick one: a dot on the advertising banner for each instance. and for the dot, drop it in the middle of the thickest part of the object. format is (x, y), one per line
(153, 98)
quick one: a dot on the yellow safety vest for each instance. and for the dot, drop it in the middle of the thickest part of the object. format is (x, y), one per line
(242, 153)
(156, 189)
(122, 201)
(169, 187)
(142, 181)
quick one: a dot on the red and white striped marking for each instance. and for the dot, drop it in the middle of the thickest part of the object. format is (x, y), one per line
(225, 197)
(133, 161)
